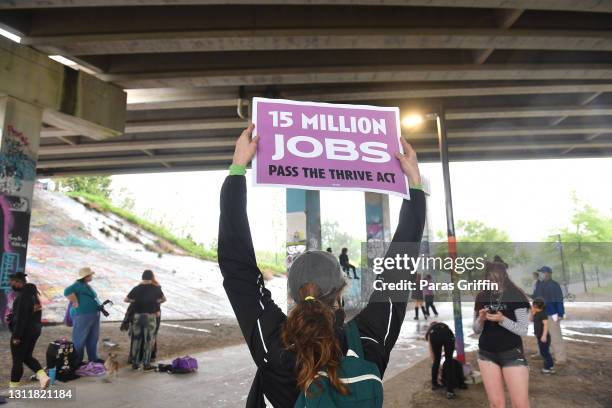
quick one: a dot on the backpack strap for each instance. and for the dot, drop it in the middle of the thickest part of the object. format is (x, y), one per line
(351, 332)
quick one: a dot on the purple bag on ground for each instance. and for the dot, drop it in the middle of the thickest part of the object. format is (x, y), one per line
(68, 316)
(182, 365)
(91, 369)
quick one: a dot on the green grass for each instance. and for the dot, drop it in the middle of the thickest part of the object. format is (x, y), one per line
(606, 289)
(187, 245)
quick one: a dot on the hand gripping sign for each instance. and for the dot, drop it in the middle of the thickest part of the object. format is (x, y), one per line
(327, 146)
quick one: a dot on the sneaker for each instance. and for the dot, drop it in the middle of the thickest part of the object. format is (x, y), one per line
(436, 386)
(148, 368)
(450, 395)
(416, 317)
(548, 371)
(135, 366)
(43, 379)
(535, 356)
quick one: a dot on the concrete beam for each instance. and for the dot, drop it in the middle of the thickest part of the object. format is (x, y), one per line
(109, 147)
(70, 99)
(173, 98)
(528, 112)
(361, 74)
(512, 132)
(414, 92)
(594, 6)
(321, 39)
(118, 161)
(507, 19)
(161, 126)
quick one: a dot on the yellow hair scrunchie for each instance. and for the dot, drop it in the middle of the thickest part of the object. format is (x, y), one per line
(309, 298)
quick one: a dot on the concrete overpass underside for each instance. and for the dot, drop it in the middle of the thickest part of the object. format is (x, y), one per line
(531, 81)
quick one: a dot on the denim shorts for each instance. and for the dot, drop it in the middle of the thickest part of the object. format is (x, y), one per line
(508, 358)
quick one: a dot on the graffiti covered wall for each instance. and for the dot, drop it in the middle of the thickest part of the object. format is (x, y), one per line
(19, 141)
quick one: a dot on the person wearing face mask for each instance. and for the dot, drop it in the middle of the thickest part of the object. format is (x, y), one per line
(25, 326)
(302, 353)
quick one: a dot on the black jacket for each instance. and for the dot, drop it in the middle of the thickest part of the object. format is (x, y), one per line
(261, 320)
(27, 312)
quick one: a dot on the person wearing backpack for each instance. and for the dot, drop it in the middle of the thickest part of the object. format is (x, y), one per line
(86, 318)
(146, 298)
(312, 357)
(25, 326)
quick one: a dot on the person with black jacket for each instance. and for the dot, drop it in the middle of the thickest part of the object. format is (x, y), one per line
(282, 346)
(25, 326)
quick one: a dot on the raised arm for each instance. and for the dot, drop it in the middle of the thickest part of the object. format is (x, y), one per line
(259, 318)
(381, 320)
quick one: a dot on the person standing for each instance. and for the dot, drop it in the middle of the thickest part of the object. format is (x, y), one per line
(536, 287)
(346, 265)
(86, 319)
(540, 329)
(25, 326)
(501, 317)
(417, 296)
(555, 310)
(146, 297)
(429, 297)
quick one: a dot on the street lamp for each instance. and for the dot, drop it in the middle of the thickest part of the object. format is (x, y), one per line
(415, 120)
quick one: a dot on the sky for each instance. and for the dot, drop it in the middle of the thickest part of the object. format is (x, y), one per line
(527, 199)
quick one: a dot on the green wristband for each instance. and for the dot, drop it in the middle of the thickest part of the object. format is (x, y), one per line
(417, 187)
(237, 170)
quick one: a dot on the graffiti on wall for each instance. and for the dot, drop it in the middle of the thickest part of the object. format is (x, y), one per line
(17, 176)
(17, 165)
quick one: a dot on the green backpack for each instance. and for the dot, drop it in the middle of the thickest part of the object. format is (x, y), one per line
(361, 376)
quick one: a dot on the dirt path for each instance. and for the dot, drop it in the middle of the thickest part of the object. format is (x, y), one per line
(583, 382)
(175, 338)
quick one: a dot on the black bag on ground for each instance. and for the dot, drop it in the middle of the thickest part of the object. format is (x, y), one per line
(458, 378)
(62, 356)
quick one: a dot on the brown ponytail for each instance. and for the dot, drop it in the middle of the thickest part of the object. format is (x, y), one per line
(310, 333)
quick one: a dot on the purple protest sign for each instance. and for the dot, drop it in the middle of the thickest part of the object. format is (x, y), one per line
(327, 146)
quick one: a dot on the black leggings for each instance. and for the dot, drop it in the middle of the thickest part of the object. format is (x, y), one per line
(442, 340)
(429, 303)
(22, 354)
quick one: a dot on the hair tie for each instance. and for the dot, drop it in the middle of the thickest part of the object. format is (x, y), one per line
(309, 298)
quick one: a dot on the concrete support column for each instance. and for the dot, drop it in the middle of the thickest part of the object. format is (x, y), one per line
(378, 232)
(303, 224)
(20, 125)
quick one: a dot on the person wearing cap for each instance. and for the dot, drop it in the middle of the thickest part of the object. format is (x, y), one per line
(290, 351)
(86, 319)
(25, 326)
(551, 291)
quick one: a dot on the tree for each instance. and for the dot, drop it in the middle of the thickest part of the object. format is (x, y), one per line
(333, 237)
(586, 242)
(475, 239)
(96, 185)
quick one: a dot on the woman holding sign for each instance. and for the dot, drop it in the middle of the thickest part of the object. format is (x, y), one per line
(312, 356)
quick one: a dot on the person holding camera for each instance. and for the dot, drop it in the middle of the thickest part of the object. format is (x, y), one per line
(86, 319)
(501, 317)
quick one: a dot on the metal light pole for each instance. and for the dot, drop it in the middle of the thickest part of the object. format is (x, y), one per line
(565, 278)
(450, 226)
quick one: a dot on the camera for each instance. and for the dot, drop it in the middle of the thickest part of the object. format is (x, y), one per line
(494, 308)
(102, 309)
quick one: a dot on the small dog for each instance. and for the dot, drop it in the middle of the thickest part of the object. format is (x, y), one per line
(112, 366)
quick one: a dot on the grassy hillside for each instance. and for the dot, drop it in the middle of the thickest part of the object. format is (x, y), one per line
(103, 205)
